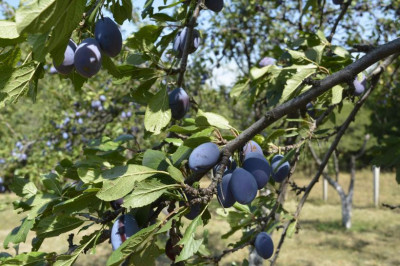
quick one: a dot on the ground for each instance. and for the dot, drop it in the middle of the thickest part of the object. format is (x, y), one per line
(373, 239)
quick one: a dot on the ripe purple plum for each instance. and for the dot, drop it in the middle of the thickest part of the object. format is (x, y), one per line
(204, 157)
(310, 110)
(214, 5)
(67, 65)
(266, 61)
(264, 245)
(243, 186)
(178, 103)
(338, 2)
(124, 227)
(252, 146)
(180, 40)
(279, 173)
(88, 58)
(108, 36)
(116, 204)
(359, 86)
(258, 166)
(224, 193)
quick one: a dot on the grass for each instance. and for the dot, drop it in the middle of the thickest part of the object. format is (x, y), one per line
(372, 240)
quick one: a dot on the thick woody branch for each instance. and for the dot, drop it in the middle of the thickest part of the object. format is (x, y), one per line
(375, 77)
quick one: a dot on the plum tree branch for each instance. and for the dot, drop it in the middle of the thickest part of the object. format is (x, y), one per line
(345, 6)
(189, 35)
(375, 77)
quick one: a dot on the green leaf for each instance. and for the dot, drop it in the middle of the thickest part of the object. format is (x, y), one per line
(176, 174)
(211, 119)
(132, 245)
(146, 192)
(180, 154)
(291, 229)
(50, 182)
(337, 94)
(124, 179)
(155, 160)
(147, 256)
(89, 175)
(122, 12)
(8, 33)
(68, 260)
(55, 225)
(10, 58)
(190, 244)
(28, 259)
(36, 16)
(78, 203)
(158, 113)
(296, 80)
(19, 234)
(239, 87)
(38, 41)
(14, 83)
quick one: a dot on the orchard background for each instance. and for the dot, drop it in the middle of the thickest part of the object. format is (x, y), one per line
(71, 145)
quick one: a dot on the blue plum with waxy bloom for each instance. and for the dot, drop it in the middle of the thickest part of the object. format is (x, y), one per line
(224, 192)
(124, 227)
(88, 58)
(279, 172)
(109, 36)
(243, 186)
(264, 245)
(204, 157)
(258, 166)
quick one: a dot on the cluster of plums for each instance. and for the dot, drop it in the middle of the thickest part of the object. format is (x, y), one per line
(86, 57)
(240, 184)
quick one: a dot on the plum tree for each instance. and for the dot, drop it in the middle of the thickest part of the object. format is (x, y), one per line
(252, 146)
(214, 5)
(359, 86)
(266, 61)
(264, 245)
(88, 58)
(124, 227)
(204, 157)
(225, 195)
(280, 172)
(108, 36)
(338, 2)
(243, 186)
(67, 65)
(178, 103)
(258, 166)
(180, 40)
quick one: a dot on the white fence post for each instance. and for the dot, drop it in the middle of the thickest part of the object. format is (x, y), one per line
(325, 189)
(376, 171)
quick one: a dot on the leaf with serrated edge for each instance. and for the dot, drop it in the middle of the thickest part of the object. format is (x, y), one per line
(190, 244)
(145, 193)
(124, 179)
(132, 244)
(158, 113)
